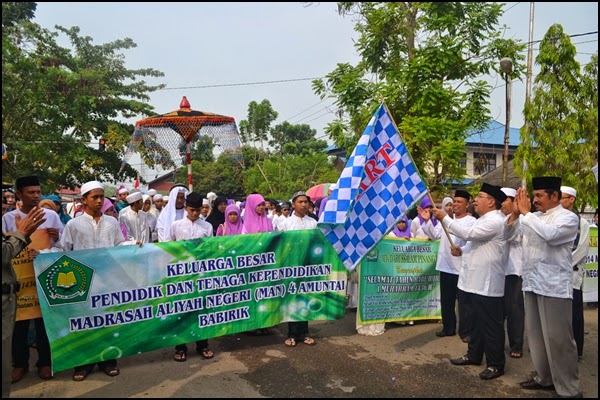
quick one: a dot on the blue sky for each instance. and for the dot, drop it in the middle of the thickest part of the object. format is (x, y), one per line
(210, 52)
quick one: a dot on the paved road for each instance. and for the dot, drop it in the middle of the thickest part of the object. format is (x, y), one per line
(406, 361)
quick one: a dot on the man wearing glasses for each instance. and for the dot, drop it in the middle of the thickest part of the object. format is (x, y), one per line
(482, 279)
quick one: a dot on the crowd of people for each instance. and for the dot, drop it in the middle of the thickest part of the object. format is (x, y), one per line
(508, 263)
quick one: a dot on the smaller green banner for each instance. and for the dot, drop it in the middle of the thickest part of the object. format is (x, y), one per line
(399, 282)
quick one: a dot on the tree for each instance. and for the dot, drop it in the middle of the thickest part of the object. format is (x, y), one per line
(202, 149)
(426, 60)
(225, 176)
(295, 162)
(561, 134)
(58, 102)
(280, 176)
(295, 139)
(13, 13)
(260, 117)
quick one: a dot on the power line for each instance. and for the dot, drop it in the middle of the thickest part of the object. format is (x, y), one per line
(240, 84)
(309, 79)
(513, 6)
(310, 115)
(314, 105)
(321, 116)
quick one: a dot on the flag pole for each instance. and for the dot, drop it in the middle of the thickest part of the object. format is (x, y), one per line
(428, 192)
(443, 226)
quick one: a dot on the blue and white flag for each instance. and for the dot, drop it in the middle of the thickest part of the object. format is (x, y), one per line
(379, 184)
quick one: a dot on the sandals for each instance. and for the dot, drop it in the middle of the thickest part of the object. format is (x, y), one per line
(516, 354)
(206, 354)
(291, 342)
(180, 356)
(309, 341)
(111, 371)
(80, 375)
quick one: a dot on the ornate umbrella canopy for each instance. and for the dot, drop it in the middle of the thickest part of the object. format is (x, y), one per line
(167, 137)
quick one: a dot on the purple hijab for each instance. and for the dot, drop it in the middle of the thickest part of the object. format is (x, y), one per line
(402, 233)
(426, 202)
(231, 229)
(254, 223)
(322, 206)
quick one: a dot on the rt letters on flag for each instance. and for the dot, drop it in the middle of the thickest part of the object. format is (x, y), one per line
(372, 171)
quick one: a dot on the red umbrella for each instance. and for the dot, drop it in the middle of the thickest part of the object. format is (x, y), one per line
(318, 191)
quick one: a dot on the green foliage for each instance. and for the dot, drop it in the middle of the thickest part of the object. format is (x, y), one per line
(57, 102)
(295, 139)
(14, 13)
(202, 149)
(280, 176)
(426, 61)
(224, 176)
(560, 136)
(256, 127)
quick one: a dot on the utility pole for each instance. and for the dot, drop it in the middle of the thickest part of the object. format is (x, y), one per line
(507, 67)
(528, 83)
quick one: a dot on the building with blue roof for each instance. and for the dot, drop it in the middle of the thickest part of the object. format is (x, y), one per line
(485, 150)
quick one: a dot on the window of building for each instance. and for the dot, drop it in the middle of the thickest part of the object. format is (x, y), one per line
(483, 163)
(462, 163)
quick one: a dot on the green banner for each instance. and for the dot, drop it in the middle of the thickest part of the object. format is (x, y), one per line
(590, 279)
(399, 282)
(108, 303)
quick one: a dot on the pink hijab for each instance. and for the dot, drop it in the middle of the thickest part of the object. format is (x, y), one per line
(107, 205)
(254, 223)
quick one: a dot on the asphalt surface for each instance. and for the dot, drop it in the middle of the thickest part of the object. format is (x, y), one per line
(406, 361)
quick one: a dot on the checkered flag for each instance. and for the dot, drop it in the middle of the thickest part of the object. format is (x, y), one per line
(379, 184)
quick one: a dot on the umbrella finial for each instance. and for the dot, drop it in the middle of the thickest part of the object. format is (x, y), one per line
(185, 103)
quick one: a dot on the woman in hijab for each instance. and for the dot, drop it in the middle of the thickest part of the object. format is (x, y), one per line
(64, 217)
(255, 217)
(416, 227)
(108, 208)
(233, 223)
(448, 206)
(255, 221)
(217, 214)
(150, 217)
(401, 230)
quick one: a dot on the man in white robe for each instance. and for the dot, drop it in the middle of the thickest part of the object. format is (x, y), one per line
(92, 230)
(135, 219)
(173, 211)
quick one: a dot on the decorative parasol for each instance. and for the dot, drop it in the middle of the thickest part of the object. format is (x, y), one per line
(168, 137)
(318, 191)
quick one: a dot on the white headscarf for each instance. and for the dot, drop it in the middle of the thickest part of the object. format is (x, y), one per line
(446, 201)
(169, 213)
(146, 197)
